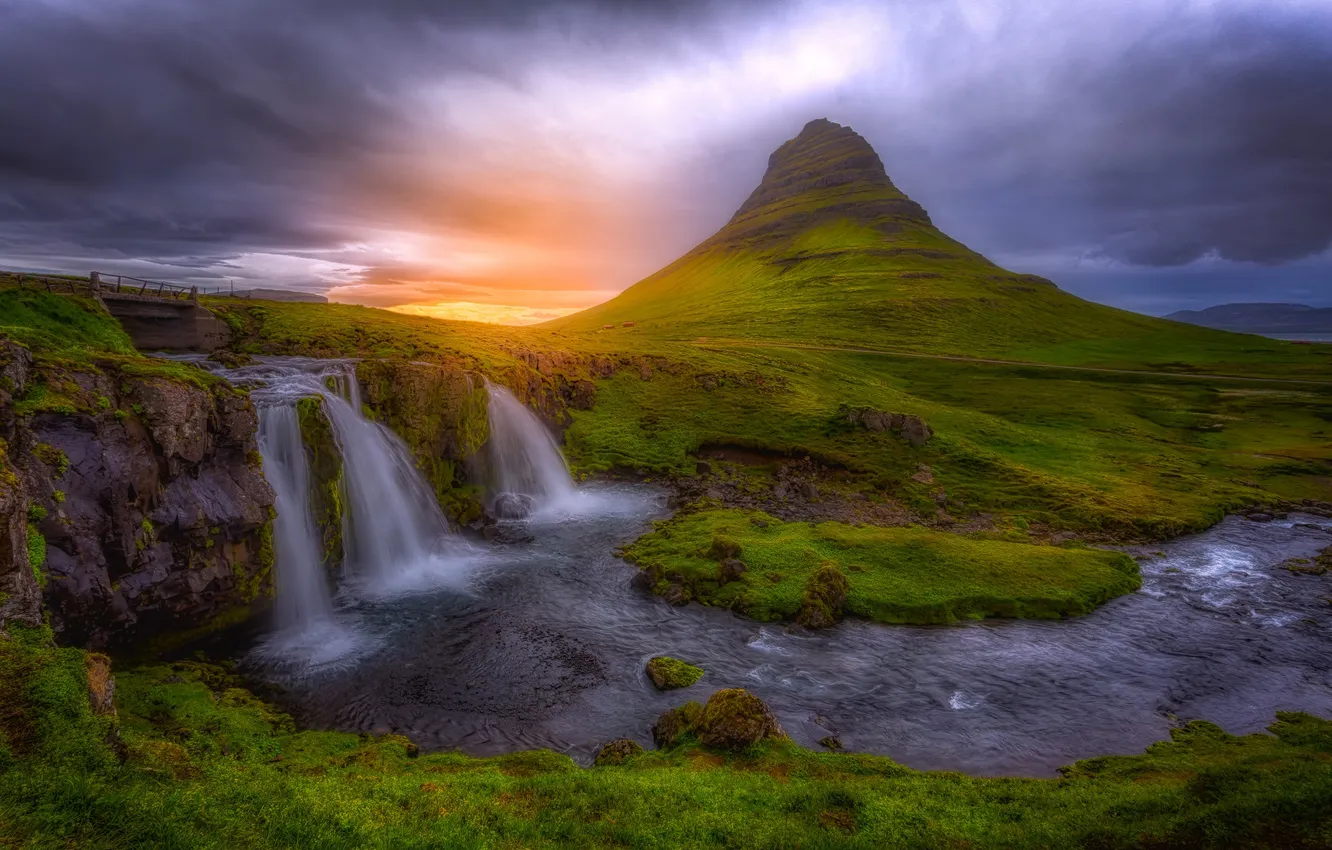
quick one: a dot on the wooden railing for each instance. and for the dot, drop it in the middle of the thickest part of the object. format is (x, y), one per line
(99, 283)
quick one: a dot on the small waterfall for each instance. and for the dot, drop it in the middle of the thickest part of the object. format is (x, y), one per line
(302, 589)
(391, 524)
(527, 472)
(392, 517)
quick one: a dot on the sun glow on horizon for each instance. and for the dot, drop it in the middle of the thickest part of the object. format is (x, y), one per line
(496, 314)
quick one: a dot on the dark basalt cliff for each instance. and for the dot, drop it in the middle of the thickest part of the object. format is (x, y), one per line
(140, 495)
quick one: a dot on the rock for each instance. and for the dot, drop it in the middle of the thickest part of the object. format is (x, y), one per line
(490, 532)
(735, 719)
(724, 547)
(230, 359)
(617, 751)
(101, 684)
(675, 724)
(731, 570)
(915, 431)
(923, 478)
(1259, 517)
(808, 490)
(779, 491)
(703, 468)
(832, 742)
(512, 506)
(824, 598)
(669, 673)
(675, 594)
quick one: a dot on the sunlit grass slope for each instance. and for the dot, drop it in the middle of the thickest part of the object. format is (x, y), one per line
(194, 761)
(828, 252)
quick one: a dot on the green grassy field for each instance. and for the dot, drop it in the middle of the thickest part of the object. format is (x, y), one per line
(194, 761)
(896, 575)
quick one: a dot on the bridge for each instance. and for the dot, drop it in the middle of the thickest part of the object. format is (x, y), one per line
(158, 316)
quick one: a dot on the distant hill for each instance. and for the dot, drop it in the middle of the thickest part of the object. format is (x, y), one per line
(281, 295)
(1286, 319)
(828, 251)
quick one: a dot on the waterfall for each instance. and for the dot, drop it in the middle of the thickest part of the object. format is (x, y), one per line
(392, 518)
(391, 522)
(526, 470)
(302, 590)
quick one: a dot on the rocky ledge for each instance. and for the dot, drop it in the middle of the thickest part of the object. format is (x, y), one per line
(139, 493)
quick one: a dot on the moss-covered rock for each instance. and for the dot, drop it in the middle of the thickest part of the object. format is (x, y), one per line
(617, 751)
(672, 726)
(439, 411)
(735, 719)
(327, 486)
(824, 598)
(669, 673)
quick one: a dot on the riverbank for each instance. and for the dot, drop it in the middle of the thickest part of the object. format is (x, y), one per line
(193, 760)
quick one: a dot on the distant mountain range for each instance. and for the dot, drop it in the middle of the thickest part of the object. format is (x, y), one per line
(1283, 319)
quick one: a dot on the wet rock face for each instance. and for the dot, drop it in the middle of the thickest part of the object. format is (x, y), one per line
(439, 411)
(512, 506)
(150, 499)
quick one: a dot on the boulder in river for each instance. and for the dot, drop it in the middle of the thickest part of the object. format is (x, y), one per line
(512, 506)
(669, 673)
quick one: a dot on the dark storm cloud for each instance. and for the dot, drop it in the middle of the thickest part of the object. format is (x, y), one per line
(1147, 133)
(1203, 137)
(154, 128)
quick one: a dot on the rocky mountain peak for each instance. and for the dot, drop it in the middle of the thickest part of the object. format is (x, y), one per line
(826, 173)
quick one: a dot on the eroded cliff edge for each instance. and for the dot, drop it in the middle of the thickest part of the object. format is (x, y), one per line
(134, 488)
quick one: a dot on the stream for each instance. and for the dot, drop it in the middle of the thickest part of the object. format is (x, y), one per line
(543, 643)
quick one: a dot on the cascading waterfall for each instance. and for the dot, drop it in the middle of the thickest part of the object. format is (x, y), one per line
(303, 596)
(526, 470)
(391, 521)
(392, 518)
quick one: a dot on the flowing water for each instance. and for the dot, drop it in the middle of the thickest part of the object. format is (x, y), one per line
(525, 470)
(496, 648)
(546, 648)
(394, 534)
(303, 595)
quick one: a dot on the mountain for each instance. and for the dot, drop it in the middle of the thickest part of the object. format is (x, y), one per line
(827, 250)
(1261, 318)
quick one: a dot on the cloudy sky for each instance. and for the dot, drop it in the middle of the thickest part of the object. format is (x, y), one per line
(515, 160)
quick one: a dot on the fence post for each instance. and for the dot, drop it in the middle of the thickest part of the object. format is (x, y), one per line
(194, 294)
(95, 282)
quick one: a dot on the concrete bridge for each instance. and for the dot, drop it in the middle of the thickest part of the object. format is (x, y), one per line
(157, 316)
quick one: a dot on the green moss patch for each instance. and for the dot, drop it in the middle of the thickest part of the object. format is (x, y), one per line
(893, 575)
(669, 673)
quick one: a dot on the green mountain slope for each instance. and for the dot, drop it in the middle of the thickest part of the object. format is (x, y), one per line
(827, 251)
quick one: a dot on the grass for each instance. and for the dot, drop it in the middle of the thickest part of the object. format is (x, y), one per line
(193, 761)
(896, 575)
(1116, 455)
(69, 335)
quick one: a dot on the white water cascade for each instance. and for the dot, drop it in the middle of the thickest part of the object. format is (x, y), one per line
(392, 524)
(526, 471)
(303, 596)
